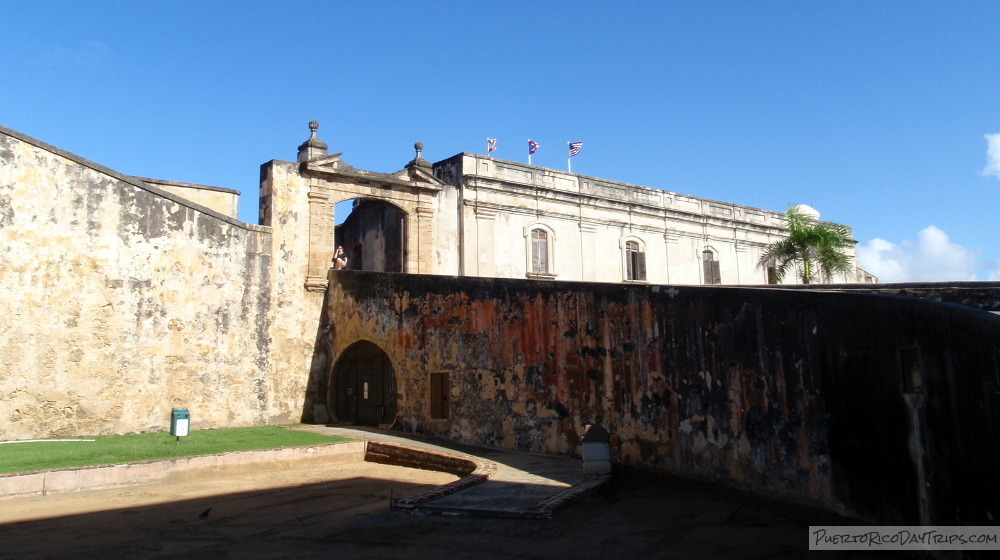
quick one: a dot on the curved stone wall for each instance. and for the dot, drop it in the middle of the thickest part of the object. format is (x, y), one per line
(884, 407)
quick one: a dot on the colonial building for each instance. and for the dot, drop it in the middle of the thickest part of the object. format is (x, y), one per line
(473, 215)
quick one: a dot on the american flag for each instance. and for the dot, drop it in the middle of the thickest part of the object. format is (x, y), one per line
(574, 148)
(532, 146)
(491, 145)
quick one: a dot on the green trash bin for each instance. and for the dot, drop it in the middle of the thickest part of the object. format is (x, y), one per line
(180, 422)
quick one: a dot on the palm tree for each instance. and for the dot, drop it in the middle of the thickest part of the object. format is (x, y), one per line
(811, 243)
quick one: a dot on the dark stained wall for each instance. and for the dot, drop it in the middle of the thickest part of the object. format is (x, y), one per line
(797, 393)
(980, 295)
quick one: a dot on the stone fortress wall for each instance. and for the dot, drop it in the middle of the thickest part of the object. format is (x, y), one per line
(122, 301)
(223, 201)
(878, 406)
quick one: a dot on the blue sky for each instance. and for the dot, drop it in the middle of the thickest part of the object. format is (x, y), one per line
(878, 114)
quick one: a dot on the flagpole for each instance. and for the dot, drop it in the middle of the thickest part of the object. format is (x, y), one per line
(529, 151)
(573, 148)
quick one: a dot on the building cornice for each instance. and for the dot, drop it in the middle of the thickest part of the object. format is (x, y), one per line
(333, 167)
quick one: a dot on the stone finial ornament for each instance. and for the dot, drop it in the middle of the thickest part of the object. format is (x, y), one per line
(313, 148)
(418, 160)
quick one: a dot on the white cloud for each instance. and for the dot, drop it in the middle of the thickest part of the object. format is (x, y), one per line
(992, 155)
(932, 258)
(994, 272)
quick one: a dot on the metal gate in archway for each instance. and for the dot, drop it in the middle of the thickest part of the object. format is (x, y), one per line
(363, 388)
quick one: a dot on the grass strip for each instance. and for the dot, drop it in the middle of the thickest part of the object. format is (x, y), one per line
(110, 450)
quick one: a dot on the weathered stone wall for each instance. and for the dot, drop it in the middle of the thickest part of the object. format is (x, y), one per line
(223, 201)
(800, 393)
(119, 301)
(296, 302)
(980, 295)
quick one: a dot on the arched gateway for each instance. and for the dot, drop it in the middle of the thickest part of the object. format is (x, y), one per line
(362, 388)
(410, 193)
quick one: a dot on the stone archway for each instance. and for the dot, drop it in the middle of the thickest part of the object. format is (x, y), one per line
(413, 190)
(374, 236)
(362, 387)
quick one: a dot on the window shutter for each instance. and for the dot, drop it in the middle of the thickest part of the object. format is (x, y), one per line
(710, 267)
(440, 387)
(635, 262)
(539, 252)
(543, 253)
(534, 253)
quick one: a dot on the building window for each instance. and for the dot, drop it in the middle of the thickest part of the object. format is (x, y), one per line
(440, 387)
(635, 262)
(539, 251)
(539, 247)
(711, 267)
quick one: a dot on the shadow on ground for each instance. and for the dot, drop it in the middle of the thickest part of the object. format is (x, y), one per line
(639, 515)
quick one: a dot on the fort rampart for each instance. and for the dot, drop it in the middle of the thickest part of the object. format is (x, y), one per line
(880, 406)
(122, 301)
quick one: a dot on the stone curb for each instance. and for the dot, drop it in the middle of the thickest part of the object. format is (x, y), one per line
(473, 470)
(541, 510)
(126, 474)
(546, 507)
(483, 470)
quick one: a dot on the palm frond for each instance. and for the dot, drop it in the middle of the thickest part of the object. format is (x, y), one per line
(813, 244)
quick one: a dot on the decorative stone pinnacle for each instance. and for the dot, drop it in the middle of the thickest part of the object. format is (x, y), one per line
(418, 160)
(312, 148)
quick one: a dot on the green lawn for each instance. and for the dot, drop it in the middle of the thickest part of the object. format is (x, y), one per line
(108, 450)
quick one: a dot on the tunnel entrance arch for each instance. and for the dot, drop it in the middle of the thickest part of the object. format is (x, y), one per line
(362, 388)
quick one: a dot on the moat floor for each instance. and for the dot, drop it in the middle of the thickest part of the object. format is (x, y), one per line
(341, 511)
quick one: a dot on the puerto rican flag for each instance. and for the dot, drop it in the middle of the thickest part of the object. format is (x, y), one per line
(532, 147)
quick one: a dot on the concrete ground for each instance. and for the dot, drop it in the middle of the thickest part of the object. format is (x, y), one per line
(323, 509)
(520, 484)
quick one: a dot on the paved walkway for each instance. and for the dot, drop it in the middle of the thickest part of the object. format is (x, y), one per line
(518, 484)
